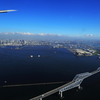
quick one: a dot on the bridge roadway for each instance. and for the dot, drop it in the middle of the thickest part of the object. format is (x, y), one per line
(65, 85)
(17, 85)
(51, 92)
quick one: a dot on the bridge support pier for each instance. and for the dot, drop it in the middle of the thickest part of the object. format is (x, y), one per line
(61, 94)
(74, 83)
(79, 87)
(40, 99)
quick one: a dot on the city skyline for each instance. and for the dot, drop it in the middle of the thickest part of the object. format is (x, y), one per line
(75, 18)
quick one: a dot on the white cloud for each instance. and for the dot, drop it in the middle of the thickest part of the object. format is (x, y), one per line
(4, 33)
(51, 34)
(22, 33)
(89, 35)
(28, 33)
(42, 34)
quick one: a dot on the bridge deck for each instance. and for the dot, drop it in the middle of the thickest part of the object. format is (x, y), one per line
(57, 89)
(51, 92)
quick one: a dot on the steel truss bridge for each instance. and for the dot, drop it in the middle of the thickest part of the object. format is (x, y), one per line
(74, 83)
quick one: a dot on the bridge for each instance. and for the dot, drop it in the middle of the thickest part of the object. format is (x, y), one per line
(74, 83)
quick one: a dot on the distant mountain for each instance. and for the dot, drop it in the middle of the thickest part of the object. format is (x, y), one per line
(42, 36)
(31, 36)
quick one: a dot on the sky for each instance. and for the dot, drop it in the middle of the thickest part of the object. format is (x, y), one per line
(63, 17)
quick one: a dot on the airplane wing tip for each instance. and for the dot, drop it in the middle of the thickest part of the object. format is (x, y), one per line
(5, 11)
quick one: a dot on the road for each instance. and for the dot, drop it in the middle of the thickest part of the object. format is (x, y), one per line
(51, 92)
(70, 84)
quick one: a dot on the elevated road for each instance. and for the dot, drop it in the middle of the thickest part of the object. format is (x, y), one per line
(18, 85)
(74, 83)
(51, 92)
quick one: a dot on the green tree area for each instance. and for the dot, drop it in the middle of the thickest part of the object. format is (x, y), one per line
(97, 52)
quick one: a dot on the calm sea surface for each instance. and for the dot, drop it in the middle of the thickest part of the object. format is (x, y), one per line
(53, 65)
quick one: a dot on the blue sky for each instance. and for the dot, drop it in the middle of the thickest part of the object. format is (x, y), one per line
(65, 17)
